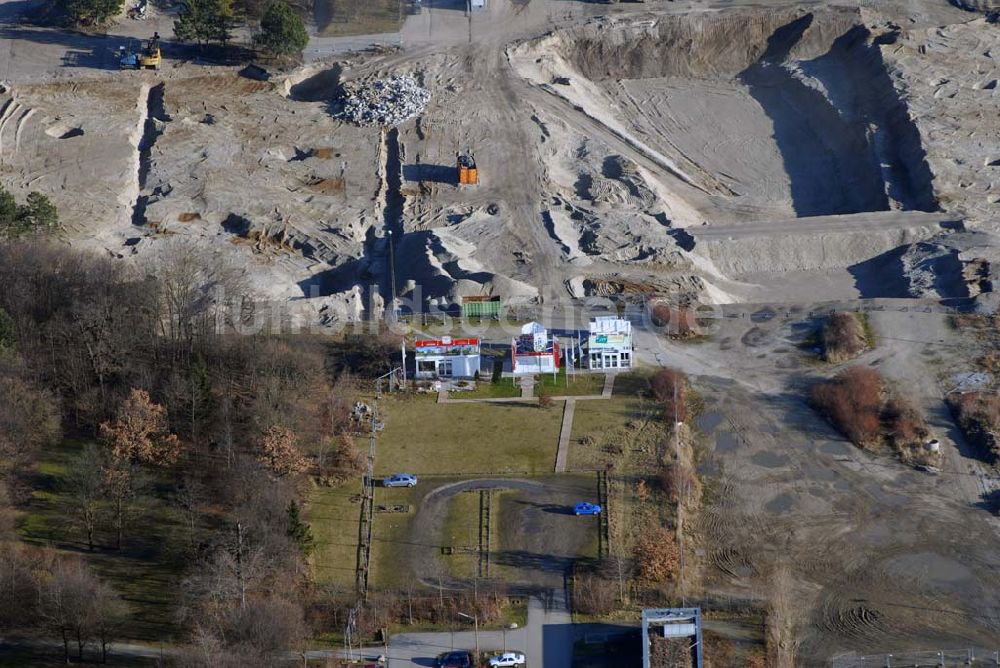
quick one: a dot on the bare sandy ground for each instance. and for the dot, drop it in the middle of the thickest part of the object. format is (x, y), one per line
(587, 186)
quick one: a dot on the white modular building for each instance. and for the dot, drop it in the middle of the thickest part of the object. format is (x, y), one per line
(609, 345)
(534, 351)
(447, 358)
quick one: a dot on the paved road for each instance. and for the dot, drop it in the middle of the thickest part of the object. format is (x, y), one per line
(547, 639)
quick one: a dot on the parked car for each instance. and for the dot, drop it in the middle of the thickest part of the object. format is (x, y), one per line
(460, 659)
(400, 480)
(585, 508)
(508, 659)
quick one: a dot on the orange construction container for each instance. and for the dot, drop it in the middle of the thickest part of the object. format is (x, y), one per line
(468, 174)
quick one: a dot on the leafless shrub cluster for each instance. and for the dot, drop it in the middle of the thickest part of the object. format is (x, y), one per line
(858, 402)
(669, 387)
(670, 652)
(656, 553)
(680, 321)
(843, 337)
(852, 401)
(978, 414)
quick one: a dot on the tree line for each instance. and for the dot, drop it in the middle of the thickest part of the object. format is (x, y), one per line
(169, 413)
(281, 30)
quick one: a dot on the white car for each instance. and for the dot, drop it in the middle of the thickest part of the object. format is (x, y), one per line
(508, 659)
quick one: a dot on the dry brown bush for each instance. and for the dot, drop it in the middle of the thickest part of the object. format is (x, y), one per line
(719, 652)
(906, 426)
(545, 400)
(594, 593)
(843, 337)
(670, 652)
(754, 660)
(656, 553)
(666, 385)
(852, 401)
(677, 480)
(980, 407)
(679, 321)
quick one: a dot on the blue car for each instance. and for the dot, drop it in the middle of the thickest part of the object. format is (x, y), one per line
(584, 508)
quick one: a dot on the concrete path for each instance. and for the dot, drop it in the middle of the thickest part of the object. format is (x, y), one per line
(609, 385)
(527, 388)
(547, 639)
(443, 396)
(564, 434)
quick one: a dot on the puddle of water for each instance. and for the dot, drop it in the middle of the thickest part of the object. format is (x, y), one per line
(726, 441)
(771, 460)
(824, 474)
(707, 422)
(835, 448)
(780, 504)
(934, 568)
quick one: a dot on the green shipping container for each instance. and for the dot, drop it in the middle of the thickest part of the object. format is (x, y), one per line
(481, 307)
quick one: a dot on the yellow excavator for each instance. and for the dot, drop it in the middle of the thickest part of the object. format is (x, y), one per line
(149, 57)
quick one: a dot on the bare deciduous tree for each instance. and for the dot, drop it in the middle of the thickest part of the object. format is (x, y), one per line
(85, 489)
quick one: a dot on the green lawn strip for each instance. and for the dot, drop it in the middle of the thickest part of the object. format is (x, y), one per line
(390, 536)
(487, 390)
(593, 424)
(334, 513)
(461, 530)
(578, 383)
(467, 438)
(634, 383)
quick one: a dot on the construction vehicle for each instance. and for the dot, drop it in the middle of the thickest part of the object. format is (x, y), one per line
(150, 57)
(468, 173)
(128, 58)
(131, 57)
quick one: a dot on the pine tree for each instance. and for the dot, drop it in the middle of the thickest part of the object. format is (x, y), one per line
(282, 32)
(300, 532)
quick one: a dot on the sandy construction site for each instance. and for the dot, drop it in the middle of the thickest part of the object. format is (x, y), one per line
(718, 152)
(705, 153)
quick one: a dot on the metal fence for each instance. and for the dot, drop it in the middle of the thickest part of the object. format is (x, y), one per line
(943, 658)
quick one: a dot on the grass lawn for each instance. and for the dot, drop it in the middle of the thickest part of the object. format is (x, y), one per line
(421, 437)
(389, 569)
(577, 384)
(333, 514)
(487, 390)
(634, 383)
(461, 529)
(357, 17)
(147, 571)
(599, 423)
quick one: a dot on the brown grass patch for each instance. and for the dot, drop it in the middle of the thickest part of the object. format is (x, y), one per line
(188, 217)
(843, 337)
(328, 186)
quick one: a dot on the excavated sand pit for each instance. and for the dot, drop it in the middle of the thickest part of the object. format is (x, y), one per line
(766, 113)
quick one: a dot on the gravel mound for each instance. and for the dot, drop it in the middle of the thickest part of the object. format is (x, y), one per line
(383, 103)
